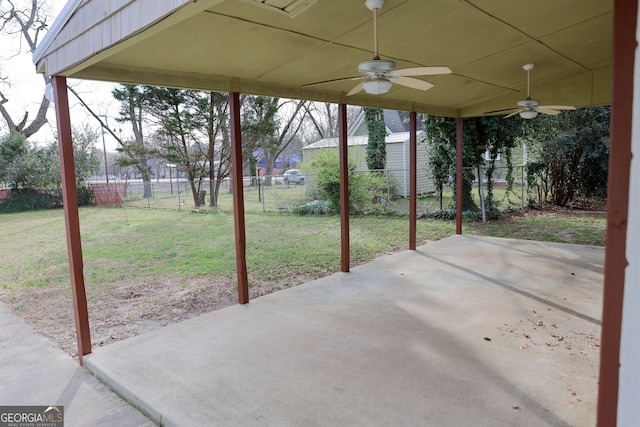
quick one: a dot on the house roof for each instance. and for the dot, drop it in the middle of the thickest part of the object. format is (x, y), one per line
(398, 121)
(394, 120)
(393, 138)
(287, 48)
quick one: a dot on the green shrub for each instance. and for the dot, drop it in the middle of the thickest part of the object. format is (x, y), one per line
(368, 191)
(326, 167)
(21, 200)
(469, 215)
(28, 200)
(86, 196)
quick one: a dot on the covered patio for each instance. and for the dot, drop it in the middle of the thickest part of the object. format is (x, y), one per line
(465, 331)
(306, 49)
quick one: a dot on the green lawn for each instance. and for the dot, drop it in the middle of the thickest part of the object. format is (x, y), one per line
(146, 267)
(125, 244)
(549, 227)
(134, 243)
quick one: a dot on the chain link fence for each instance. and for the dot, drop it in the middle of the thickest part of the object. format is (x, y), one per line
(486, 194)
(384, 192)
(270, 193)
(371, 192)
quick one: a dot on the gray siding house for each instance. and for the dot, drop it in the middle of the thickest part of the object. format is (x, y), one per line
(397, 151)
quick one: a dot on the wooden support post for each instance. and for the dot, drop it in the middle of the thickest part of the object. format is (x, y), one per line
(413, 178)
(238, 198)
(344, 187)
(624, 47)
(71, 216)
(459, 182)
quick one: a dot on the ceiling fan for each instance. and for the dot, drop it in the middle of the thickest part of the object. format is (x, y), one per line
(529, 108)
(380, 74)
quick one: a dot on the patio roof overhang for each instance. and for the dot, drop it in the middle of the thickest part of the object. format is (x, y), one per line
(284, 47)
(280, 47)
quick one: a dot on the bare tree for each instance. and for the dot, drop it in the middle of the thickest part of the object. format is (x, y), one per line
(323, 119)
(27, 20)
(213, 112)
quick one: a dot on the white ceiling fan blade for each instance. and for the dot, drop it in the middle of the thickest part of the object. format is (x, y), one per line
(357, 89)
(335, 80)
(556, 107)
(412, 83)
(502, 111)
(421, 71)
(519, 110)
(548, 111)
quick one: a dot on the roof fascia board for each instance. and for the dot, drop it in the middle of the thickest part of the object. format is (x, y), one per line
(57, 26)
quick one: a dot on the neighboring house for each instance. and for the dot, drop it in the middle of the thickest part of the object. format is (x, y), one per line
(286, 160)
(397, 165)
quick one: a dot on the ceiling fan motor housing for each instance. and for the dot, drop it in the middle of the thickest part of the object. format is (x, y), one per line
(377, 66)
(528, 103)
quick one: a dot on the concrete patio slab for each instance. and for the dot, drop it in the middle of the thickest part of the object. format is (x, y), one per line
(466, 331)
(33, 372)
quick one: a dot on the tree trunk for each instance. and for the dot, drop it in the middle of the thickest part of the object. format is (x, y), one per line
(195, 187)
(468, 204)
(143, 170)
(213, 191)
(202, 194)
(270, 160)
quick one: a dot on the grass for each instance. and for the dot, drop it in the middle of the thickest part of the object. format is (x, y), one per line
(551, 227)
(121, 245)
(146, 267)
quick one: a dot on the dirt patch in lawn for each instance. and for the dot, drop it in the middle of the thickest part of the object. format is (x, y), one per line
(122, 310)
(579, 207)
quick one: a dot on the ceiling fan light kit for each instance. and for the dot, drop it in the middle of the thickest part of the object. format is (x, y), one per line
(528, 114)
(377, 87)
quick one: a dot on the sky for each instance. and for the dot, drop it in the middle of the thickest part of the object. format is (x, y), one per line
(27, 89)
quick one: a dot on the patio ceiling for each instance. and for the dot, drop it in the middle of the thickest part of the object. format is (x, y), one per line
(279, 47)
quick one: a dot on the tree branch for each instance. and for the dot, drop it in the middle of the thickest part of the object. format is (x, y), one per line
(315, 122)
(26, 22)
(5, 113)
(97, 117)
